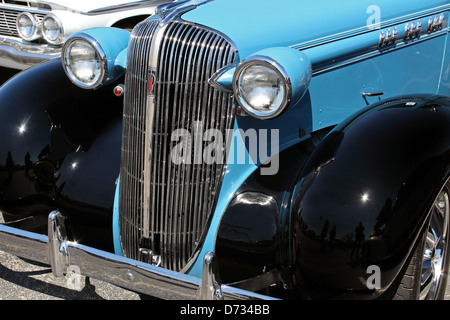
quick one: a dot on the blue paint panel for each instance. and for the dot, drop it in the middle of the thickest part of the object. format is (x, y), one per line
(388, 73)
(116, 234)
(289, 23)
(235, 175)
(444, 84)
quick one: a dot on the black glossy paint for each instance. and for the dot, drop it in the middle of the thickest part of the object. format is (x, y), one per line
(253, 227)
(359, 197)
(60, 149)
(249, 231)
(364, 194)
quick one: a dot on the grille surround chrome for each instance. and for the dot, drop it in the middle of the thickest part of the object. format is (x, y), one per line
(182, 56)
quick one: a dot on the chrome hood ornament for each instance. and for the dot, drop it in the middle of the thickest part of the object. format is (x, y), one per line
(169, 11)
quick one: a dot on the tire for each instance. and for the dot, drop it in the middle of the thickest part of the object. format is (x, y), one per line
(426, 274)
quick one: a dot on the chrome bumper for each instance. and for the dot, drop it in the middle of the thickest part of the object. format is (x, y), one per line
(18, 54)
(137, 276)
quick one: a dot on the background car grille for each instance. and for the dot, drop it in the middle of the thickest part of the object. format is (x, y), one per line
(180, 197)
(8, 21)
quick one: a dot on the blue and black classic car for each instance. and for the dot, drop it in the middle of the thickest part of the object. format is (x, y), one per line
(239, 149)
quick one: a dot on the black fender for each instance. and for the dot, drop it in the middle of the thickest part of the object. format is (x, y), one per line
(364, 195)
(363, 187)
(252, 235)
(60, 148)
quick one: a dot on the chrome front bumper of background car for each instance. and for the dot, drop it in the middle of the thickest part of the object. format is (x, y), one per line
(18, 54)
(137, 276)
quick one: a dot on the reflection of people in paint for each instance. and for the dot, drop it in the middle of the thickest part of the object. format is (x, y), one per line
(28, 164)
(323, 235)
(9, 167)
(359, 238)
(332, 237)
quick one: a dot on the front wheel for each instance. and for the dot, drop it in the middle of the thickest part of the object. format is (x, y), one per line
(426, 276)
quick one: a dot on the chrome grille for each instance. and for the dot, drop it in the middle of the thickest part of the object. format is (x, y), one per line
(8, 21)
(164, 206)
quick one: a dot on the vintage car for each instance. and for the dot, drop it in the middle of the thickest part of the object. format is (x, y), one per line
(239, 149)
(33, 31)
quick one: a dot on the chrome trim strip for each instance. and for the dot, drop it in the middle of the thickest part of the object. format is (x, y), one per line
(172, 11)
(128, 6)
(58, 251)
(133, 128)
(124, 272)
(373, 53)
(365, 29)
(211, 288)
(226, 71)
(7, 6)
(369, 51)
(149, 116)
(26, 53)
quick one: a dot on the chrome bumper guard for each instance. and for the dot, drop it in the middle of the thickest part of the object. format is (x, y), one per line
(133, 275)
(18, 53)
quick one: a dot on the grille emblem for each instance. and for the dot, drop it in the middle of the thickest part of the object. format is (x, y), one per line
(151, 81)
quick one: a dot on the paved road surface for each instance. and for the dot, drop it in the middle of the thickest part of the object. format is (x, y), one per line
(23, 280)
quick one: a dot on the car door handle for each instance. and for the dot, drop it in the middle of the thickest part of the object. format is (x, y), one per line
(372, 94)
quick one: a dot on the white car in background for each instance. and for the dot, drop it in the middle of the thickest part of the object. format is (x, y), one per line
(33, 31)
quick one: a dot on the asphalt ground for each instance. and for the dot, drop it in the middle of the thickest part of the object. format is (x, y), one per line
(26, 280)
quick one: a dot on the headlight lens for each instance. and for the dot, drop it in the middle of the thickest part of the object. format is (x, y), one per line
(27, 26)
(84, 62)
(52, 30)
(261, 88)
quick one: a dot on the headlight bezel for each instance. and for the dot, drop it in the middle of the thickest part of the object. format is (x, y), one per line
(272, 64)
(35, 25)
(99, 53)
(60, 39)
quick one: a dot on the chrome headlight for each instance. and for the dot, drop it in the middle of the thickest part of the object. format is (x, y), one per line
(262, 87)
(52, 30)
(95, 57)
(268, 82)
(27, 26)
(84, 61)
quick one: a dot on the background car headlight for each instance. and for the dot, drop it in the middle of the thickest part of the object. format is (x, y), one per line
(84, 62)
(262, 87)
(27, 26)
(52, 30)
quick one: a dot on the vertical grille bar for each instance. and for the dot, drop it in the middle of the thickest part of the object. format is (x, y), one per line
(133, 143)
(181, 196)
